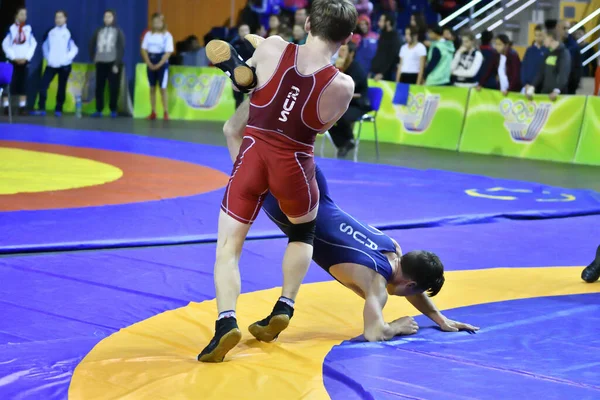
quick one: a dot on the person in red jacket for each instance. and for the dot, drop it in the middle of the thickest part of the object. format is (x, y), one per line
(509, 67)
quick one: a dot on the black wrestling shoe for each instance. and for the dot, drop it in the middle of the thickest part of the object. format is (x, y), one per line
(223, 56)
(592, 272)
(227, 336)
(269, 328)
(345, 149)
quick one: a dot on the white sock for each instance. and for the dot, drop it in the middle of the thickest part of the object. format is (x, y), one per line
(287, 301)
(5, 103)
(226, 314)
(22, 103)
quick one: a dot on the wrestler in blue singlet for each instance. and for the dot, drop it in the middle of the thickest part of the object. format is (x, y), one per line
(339, 237)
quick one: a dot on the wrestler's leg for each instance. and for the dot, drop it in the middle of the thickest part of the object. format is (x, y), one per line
(234, 129)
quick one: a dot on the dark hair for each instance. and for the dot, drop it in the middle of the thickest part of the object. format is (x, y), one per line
(332, 20)
(63, 12)
(435, 28)
(486, 38)
(581, 28)
(391, 18)
(414, 32)
(539, 28)
(426, 269)
(504, 39)
(554, 34)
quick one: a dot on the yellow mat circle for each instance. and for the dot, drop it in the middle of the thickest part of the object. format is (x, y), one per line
(27, 171)
(156, 358)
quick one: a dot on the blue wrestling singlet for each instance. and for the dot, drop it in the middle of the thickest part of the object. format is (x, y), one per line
(339, 238)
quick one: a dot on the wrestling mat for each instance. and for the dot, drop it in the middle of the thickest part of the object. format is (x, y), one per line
(127, 323)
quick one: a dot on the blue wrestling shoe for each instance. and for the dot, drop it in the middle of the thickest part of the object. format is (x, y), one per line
(38, 113)
(224, 56)
(592, 272)
(97, 114)
(227, 336)
(269, 328)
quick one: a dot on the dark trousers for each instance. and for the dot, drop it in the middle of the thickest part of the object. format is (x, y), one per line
(63, 77)
(104, 72)
(239, 98)
(341, 132)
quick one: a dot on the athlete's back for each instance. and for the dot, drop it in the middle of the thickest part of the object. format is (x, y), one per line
(299, 93)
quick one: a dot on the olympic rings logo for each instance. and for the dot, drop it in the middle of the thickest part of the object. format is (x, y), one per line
(199, 91)
(518, 111)
(524, 120)
(82, 83)
(419, 112)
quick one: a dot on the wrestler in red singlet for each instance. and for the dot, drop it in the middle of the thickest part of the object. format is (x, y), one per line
(278, 143)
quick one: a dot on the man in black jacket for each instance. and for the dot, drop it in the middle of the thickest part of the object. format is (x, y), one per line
(341, 132)
(553, 77)
(388, 50)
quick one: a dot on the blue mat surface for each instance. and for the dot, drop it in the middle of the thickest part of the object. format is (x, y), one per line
(56, 307)
(542, 348)
(387, 197)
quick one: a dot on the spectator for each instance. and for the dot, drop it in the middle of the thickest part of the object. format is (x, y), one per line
(261, 31)
(300, 17)
(388, 47)
(412, 59)
(450, 36)
(491, 59)
(509, 66)
(299, 35)
(293, 5)
(341, 132)
(534, 57)
(366, 42)
(439, 58)
(107, 50)
(245, 51)
(19, 46)
(590, 69)
(274, 24)
(192, 54)
(553, 77)
(570, 43)
(157, 47)
(417, 22)
(364, 7)
(285, 33)
(59, 51)
(467, 62)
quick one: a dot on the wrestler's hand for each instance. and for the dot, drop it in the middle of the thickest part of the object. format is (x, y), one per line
(405, 326)
(449, 325)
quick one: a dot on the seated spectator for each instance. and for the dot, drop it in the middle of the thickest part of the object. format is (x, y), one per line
(19, 47)
(157, 47)
(534, 57)
(450, 36)
(388, 47)
(59, 51)
(194, 55)
(341, 132)
(439, 58)
(467, 62)
(274, 24)
(285, 33)
(300, 17)
(412, 59)
(258, 12)
(489, 70)
(590, 69)
(553, 78)
(366, 42)
(299, 35)
(509, 65)
(364, 7)
(417, 23)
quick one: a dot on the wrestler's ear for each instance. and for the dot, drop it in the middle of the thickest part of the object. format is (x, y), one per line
(307, 25)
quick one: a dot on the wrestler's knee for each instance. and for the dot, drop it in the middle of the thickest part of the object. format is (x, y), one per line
(303, 233)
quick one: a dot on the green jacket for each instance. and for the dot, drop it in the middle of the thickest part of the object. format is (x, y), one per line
(440, 75)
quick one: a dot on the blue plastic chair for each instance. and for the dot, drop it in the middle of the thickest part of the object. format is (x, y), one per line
(375, 97)
(6, 73)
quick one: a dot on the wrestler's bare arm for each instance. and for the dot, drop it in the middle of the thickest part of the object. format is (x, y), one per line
(375, 327)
